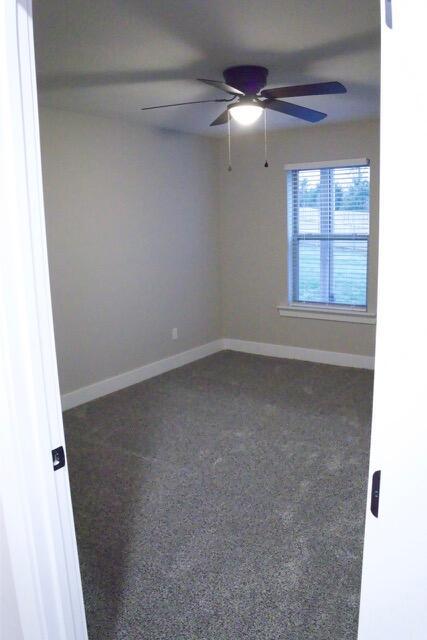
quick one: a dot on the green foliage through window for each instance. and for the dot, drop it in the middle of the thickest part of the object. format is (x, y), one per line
(329, 222)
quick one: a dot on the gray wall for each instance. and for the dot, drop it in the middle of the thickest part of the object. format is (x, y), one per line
(252, 235)
(148, 231)
(132, 230)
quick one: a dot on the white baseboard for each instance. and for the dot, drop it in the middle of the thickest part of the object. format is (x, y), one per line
(104, 387)
(299, 353)
(128, 378)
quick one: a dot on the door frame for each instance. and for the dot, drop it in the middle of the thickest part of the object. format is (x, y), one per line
(36, 501)
(394, 572)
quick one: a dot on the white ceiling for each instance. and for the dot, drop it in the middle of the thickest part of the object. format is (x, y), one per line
(111, 57)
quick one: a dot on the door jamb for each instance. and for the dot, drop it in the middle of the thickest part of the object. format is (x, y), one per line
(35, 499)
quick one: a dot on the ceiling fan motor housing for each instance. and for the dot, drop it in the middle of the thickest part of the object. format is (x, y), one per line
(247, 78)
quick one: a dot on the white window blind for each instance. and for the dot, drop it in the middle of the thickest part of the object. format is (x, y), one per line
(328, 229)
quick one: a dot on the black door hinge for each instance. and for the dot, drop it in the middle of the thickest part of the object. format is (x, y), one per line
(58, 458)
(375, 493)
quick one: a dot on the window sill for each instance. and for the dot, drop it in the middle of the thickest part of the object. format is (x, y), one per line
(321, 313)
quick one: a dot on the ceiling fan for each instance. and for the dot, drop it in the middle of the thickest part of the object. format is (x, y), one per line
(248, 98)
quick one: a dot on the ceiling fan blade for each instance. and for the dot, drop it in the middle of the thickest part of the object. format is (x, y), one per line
(294, 110)
(222, 119)
(316, 89)
(223, 86)
(179, 104)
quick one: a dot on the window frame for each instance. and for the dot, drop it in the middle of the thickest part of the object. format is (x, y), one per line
(322, 310)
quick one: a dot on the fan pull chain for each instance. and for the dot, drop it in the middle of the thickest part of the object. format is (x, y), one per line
(229, 141)
(265, 137)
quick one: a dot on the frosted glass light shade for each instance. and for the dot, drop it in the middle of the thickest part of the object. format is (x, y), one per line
(246, 113)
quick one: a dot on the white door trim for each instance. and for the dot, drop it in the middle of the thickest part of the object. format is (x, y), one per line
(35, 499)
(394, 574)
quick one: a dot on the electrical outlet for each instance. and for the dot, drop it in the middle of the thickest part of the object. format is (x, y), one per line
(175, 334)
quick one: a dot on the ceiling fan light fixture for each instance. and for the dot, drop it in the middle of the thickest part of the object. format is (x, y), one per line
(246, 114)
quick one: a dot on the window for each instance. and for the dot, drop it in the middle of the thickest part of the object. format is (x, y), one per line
(328, 228)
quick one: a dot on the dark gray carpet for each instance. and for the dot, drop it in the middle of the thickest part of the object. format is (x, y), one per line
(223, 500)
